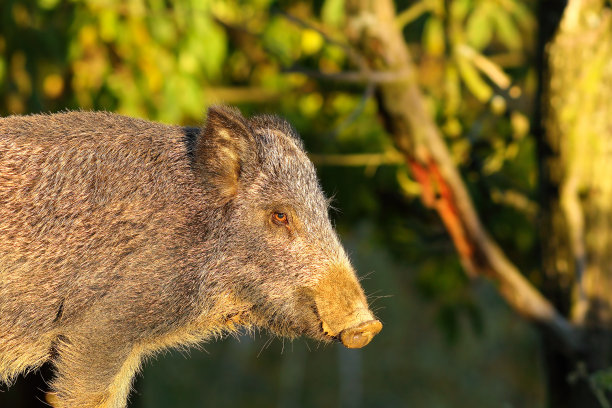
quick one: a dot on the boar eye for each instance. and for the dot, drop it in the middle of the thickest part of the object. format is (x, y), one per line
(280, 218)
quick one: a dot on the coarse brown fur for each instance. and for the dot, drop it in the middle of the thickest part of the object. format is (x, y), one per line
(120, 237)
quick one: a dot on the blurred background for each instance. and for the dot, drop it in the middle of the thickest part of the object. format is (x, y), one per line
(448, 340)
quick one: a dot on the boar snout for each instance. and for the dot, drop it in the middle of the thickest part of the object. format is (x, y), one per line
(343, 310)
(360, 336)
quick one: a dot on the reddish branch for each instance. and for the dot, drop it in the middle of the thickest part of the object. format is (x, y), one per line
(436, 194)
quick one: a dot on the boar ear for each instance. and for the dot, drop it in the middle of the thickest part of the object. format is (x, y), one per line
(223, 150)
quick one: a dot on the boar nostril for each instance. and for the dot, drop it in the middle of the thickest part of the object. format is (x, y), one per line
(359, 336)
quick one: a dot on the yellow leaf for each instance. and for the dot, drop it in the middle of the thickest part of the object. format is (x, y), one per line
(520, 125)
(433, 37)
(311, 41)
(452, 127)
(88, 36)
(21, 16)
(311, 104)
(53, 85)
(15, 103)
(108, 25)
(498, 105)
(481, 90)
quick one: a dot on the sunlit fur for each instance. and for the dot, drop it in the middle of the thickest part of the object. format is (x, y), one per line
(121, 237)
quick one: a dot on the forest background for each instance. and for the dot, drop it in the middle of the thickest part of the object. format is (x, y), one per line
(373, 88)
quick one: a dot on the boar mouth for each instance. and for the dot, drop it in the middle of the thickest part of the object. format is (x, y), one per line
(324, 330)
(356, 336)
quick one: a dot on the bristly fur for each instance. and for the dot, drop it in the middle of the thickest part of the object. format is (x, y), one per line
(120, 238)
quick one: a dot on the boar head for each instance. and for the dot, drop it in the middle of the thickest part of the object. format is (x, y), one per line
(277, 250)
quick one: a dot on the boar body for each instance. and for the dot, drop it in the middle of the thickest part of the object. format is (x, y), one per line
(120, 237)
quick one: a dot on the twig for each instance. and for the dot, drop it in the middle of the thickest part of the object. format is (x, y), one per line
(516, 200)
(357, 160)
(376, 77)
(486, 66)
(413, 12)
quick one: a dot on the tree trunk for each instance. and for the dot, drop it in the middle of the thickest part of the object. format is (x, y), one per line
(576, 174)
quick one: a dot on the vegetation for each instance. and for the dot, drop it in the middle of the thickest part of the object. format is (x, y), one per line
(405, 107)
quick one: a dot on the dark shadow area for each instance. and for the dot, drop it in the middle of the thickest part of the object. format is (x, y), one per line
(28, 391)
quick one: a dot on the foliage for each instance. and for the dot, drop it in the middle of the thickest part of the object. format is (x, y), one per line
(167, 61)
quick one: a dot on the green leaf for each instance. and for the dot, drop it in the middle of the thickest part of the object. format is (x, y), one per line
(452, 91)
(332, 12)
(108, 25)
(521, 13)
(48, 4)
(603, 379)
(191, 96)
(162, 30)
(433, 37)
(283, 40)
(472, 79)
(209, 47)
(459, 9)
(506, 29)
(479, 28)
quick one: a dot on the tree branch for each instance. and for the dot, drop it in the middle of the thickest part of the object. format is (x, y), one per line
(370, 29)
(357, 160)
(367, 77)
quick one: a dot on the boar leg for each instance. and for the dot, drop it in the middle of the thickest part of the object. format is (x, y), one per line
(93, 371)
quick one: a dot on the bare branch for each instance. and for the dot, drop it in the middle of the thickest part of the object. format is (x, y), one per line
(413, 12)
(485, 65)
(516, 200)
(376, 77)
(357, 160)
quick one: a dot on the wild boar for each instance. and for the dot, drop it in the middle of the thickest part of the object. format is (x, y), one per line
(120, 237)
